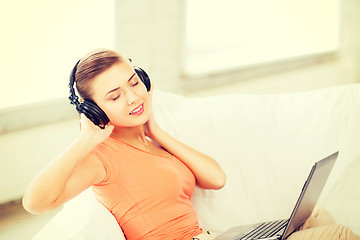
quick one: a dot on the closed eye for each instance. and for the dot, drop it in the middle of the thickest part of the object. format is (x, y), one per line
(134, 84)
(115, 97)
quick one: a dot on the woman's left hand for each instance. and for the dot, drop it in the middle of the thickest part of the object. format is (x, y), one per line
(206, 170)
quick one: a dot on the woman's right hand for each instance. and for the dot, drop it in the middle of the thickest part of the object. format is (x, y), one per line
(70, 173)
(93, 134)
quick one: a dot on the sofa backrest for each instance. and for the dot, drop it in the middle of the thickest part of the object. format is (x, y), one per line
(267, 145)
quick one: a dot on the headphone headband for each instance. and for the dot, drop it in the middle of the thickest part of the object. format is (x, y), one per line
(89, 107)
(73, 98)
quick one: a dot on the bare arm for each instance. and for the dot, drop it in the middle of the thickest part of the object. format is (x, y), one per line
(69, 174)
(206, 170)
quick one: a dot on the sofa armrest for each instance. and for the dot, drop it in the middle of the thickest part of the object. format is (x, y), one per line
(82, 218)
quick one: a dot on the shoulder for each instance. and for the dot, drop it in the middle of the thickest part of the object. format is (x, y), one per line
(107, 156)
(92, 166)
(109, 145)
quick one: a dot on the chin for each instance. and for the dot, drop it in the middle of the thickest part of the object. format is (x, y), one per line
(136, 122)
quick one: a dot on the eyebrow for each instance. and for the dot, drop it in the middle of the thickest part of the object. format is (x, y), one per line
(119, 87)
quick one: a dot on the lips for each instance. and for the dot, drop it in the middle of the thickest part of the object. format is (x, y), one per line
(137, 111)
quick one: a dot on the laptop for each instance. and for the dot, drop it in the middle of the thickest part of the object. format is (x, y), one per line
(281, 229)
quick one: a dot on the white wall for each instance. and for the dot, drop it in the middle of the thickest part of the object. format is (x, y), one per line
(342, 69)
(150, 32)
(41, 41)
(152, 35)
(25, 153)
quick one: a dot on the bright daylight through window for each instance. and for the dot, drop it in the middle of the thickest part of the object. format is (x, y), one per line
(221, 35)
(41, 41)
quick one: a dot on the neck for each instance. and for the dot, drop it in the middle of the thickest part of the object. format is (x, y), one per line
(130, 134)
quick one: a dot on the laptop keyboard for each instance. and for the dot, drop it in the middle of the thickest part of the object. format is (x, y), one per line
(264, 230)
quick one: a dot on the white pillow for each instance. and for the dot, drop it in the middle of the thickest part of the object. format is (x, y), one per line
(82, 218)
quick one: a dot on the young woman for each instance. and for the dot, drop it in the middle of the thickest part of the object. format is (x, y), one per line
(141, 174)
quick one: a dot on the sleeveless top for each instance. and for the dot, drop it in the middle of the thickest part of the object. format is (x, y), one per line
(148, 194)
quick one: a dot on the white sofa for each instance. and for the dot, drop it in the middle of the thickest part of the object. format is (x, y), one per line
(265, 143)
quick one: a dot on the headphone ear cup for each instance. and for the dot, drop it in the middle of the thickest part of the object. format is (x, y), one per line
(143, 77)
(93, 112)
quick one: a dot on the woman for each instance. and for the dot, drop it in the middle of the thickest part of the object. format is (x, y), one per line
(139, 172)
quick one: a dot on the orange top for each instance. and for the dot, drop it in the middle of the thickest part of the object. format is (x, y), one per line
(149, 195)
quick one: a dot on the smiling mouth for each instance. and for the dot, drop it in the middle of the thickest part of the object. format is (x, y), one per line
(137, 111)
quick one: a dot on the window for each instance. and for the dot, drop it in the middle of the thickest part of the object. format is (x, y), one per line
(41, 42)
(240, 33)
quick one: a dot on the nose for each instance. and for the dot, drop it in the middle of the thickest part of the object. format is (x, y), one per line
(131, 97)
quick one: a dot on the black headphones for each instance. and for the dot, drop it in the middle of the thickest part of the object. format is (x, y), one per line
(91, 110)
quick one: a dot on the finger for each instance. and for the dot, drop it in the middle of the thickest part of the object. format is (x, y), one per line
(150, 94)
(85, 118)
(109, 128)
(151, 89)
(81, 119)
(85, 121)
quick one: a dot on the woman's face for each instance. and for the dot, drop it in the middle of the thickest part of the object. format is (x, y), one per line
(121, 94)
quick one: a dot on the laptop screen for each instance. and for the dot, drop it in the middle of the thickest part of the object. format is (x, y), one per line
(310, 193)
